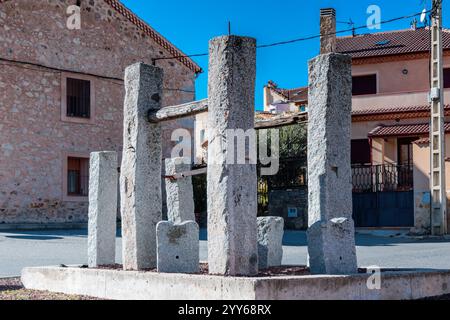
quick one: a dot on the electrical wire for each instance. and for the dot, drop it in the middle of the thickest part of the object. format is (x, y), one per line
(280, 43)
(43, 68)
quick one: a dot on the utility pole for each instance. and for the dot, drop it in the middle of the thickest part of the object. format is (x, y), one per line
(437, 131)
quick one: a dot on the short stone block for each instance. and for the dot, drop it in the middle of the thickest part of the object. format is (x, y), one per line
(178, 247)
(270, 241)
(331, 247)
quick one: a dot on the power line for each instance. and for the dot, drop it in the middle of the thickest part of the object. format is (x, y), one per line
(181, 56)
(280, 43)
(43, 68)
(341, 31)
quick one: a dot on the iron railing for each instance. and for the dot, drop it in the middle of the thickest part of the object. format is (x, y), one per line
(292, 173)
(386, 177)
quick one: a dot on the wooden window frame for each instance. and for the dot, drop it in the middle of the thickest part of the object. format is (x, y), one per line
(66, 196)
(92, 112)
(405, 141)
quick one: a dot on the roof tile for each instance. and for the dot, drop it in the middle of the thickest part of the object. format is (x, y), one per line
(418, 129)
(389, 43)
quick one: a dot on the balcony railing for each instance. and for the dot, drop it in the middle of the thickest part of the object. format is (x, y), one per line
(386, 177)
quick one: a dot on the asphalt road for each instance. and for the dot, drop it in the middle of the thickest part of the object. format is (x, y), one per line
(39, 248)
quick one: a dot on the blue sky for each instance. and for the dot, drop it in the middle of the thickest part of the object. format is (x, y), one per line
(190, 24)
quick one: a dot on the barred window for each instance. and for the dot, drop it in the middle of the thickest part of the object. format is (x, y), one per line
(78, 98)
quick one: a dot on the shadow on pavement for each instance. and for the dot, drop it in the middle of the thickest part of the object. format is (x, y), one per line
(42, 238)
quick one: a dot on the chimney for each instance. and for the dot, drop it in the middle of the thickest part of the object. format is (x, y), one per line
(327, 30)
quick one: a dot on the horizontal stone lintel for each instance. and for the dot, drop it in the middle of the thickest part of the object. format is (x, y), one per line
(201, 106)
(178, 111)
(185, 174)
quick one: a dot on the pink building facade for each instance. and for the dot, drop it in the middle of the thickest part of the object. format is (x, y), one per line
(390, 145)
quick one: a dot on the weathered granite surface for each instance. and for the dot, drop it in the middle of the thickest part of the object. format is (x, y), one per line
(180, 193)
(103, 180)
(331, 242)
(140, 181)
(270, 241)
(232, 191)
(178, 247)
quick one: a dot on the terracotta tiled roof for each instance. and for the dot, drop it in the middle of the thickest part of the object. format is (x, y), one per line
(393, 109)
(419, 129)
(149, 31)
(264, 115)
(422, 141)
(375, 110)
(294, 95)
(389, 43)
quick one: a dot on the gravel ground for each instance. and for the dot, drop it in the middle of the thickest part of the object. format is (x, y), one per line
(12, 289)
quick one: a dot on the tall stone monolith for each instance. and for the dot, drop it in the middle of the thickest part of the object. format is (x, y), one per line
(140, 181)
(232, 191)
(331, 239)
(103, 178)
(179, 191)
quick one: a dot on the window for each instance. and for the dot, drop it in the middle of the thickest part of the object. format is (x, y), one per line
(78, 98)
(77, 177)
(202, 135)
(447, 78)
(360, 151)
(364, 84)
(405, 151)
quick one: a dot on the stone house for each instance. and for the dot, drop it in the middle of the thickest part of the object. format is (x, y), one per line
(61, 97)
(390, 124)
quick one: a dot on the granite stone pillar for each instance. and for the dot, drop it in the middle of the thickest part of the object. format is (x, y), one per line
(103, 178)
(331, 239)
(232, 191)
(140, 181)
(180, 193)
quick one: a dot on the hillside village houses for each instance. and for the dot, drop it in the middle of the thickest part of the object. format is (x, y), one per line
(62, 97)
(390, 124)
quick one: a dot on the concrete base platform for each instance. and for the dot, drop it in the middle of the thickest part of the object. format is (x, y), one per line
(121, 285)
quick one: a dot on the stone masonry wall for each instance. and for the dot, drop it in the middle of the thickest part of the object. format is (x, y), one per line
(35, 141)
(281, 200)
